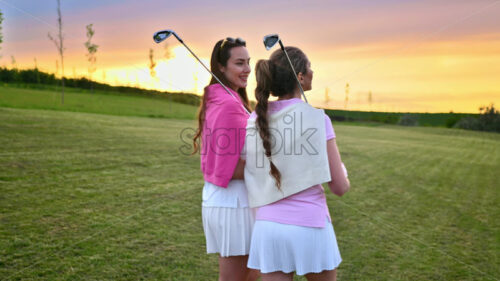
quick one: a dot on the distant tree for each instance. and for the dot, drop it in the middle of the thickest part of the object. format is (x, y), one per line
(168, 50)
(91, 49)
(14, 73)
(488, 120)
(168, 55)
(152, 64)
(37, 73)
(57, 72)
(13, 62)
(370, 99)
(59, 42)
(347, 89)
(1, 36)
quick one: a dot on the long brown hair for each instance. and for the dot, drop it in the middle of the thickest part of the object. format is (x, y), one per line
(220, 55)
(275, 77)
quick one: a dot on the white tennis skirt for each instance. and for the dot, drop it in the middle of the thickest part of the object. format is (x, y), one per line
(228, 231)
(289, 248)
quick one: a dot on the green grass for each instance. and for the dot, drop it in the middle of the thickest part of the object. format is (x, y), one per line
(93, 197)
(110, 103)
(86, 196)
(424, 204)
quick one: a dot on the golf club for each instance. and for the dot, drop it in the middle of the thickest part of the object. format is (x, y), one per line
(160, 36)
(269, 42)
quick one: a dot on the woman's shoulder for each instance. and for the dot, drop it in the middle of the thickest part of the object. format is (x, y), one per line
(213, 88)
(295, 107)
(218, 95)
(218, 91)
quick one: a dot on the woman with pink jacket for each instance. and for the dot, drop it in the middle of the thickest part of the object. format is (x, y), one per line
(222, 118)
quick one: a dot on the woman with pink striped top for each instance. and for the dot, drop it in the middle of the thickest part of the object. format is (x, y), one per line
(293, 230)
(227, 219)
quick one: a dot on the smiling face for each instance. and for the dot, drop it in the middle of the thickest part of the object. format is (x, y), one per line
(237, 68)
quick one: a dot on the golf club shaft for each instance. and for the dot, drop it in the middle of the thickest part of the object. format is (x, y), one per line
(293, 69)
(213, 75)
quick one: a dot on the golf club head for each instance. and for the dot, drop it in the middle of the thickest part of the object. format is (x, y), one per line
(160, 36)
(271, 40)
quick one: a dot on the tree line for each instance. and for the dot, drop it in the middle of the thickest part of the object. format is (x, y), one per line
(34, 78)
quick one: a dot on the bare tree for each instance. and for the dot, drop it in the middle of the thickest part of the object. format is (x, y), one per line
(36, 71)
(57, 73)
(168, 55)
(13, 62)
(1, 36)
(347, 89)
(327, 95)
(152, 64)
(168, 50)
(59, 42)
(92, 49)
(370, 99)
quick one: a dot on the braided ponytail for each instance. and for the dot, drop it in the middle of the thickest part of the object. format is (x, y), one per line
(274, 77)
(262, 92)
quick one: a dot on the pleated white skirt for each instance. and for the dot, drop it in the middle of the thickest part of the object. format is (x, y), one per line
(289, 248)
(228, 231)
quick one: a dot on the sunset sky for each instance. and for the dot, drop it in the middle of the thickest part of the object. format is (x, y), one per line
(416, 56)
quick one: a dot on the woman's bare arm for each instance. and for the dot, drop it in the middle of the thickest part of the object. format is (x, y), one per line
(340, 183)
(239, 171)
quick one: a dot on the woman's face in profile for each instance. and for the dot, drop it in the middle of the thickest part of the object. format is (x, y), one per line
(237, 68)
(306, 79)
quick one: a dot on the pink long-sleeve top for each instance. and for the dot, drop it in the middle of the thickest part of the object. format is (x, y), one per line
(306, 208)
(223, 134)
